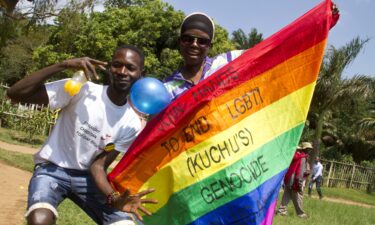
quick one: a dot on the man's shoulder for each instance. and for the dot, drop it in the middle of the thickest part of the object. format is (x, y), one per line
(176, 75)
(89, 92)
(94, 85)
(93, 88)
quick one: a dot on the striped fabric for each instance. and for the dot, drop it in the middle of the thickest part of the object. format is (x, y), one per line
(219, 152)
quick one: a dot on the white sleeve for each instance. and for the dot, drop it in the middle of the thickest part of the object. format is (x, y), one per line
(320, 170)
(236, 53)
(223, 59)
(57, 97)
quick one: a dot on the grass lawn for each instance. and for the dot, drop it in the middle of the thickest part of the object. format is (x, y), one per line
(331, 213)
(320, 211)
(353, 195)
(19, 138)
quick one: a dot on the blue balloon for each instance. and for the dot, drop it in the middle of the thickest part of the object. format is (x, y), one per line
(149, 95)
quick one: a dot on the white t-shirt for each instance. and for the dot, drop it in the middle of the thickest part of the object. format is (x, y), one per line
(87, 123)
(317, 170)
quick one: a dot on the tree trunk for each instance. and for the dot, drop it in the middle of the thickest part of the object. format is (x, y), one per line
(317, 140)
(9, 5)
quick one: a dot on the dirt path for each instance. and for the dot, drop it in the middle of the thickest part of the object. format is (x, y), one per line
(14, 182)
(13, 194)
(347, 202)
(17, 148)
(13, 188)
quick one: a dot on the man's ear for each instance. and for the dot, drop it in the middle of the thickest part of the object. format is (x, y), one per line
(211, 44)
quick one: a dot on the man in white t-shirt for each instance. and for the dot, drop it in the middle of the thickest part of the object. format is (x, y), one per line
(316, 177)
(93, 127)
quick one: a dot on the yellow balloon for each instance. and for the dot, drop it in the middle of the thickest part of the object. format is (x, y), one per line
(72, 87)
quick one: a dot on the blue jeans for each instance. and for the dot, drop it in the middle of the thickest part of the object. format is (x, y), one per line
(51, 184)
(318, 182)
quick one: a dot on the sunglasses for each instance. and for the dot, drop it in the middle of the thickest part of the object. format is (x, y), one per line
(188, 40)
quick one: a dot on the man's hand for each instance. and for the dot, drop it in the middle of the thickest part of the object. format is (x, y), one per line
(87, 64)
(132, 203)
(335, 10)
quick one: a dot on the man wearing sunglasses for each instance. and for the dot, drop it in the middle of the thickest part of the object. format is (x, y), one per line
(196, 36)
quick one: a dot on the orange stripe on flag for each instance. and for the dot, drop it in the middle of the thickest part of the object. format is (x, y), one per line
(226, 110)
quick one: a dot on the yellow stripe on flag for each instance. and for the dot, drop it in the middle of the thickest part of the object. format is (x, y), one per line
(295, 105)
(272, 85)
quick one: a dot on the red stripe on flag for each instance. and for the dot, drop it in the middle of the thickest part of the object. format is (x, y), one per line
(305, 32)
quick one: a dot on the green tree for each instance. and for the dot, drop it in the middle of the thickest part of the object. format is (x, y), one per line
(221, 42)
(345, 134)
(25, 43)
(16, 60)
(332, 90)
(61, 42)
(367, 123)
(153, 26)
(10, 29)
(243, 41)
(40, 10)
(124, 3)
(8, 5)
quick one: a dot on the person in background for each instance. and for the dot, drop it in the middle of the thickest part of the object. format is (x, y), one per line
(316, 177)
(195, 41)
(294, 181)
(93, 127)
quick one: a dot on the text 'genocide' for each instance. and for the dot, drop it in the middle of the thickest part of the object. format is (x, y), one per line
(240, 178)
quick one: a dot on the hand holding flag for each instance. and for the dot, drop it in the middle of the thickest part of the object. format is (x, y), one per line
(219, 152)
(127, 202)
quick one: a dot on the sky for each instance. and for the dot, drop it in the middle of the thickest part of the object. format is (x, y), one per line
(357, 18)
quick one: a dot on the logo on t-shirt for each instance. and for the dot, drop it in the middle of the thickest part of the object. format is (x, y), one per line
(109, 147)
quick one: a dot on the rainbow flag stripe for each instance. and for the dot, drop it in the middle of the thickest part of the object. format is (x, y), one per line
(218, 154)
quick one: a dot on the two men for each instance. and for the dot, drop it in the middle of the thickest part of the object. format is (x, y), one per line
(92, 128)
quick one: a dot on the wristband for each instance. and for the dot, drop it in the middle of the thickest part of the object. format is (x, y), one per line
(111, 197)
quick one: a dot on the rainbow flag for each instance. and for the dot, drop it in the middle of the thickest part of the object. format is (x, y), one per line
(218, 154)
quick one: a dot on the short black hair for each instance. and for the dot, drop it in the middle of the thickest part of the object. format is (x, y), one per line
(135, 49)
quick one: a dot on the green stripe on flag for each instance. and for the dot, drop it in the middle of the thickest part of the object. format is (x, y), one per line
(230, 183)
